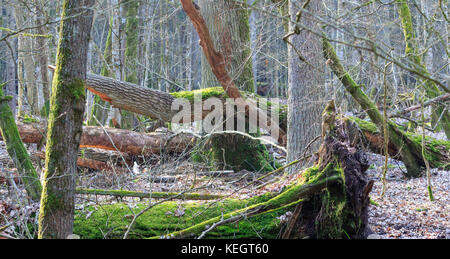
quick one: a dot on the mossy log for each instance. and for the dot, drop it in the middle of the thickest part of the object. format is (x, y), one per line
(333, 195)
(367, 134)
(17, 150)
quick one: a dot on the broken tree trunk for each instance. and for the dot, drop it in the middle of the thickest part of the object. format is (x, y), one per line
(410, 152)
(16, 149)
(333, 195)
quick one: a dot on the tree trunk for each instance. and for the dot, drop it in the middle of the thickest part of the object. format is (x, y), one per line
(131, 52)
(16, 149)
(42, 49)
(306, 84)
(67, 106)
(100, 107)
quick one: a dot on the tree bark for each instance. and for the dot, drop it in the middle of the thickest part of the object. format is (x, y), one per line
(306, 94)
(67, 104)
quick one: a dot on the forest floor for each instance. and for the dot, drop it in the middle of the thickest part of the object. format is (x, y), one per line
(404, 212)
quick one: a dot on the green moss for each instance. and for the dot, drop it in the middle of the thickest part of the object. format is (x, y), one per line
(205, 93)
(17, 150)
(233, 151)
(28, 119)
(162, 219)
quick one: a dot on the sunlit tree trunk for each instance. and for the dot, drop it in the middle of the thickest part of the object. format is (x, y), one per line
(67, 104)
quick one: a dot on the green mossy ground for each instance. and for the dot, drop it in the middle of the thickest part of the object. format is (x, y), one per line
(160, 220)
(111, 221)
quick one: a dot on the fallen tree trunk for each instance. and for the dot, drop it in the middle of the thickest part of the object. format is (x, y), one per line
(126, 141)
(333, 195)
(152, 195)
(367, 134)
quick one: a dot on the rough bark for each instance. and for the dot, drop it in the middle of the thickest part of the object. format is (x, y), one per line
(306, 95)
(67, 104)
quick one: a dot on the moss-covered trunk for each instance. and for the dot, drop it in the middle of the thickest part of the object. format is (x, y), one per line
(67, 104)
(16, 149)
(333, 196)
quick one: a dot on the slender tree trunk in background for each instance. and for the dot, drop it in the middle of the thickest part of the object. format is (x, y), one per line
(306, 83)
(67, 104)
(254, 41)
(131, 52)
(18, 13)
(100, 107)
(41, 49)
(114, 117)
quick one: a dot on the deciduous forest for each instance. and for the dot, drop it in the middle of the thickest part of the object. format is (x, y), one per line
(224, 119)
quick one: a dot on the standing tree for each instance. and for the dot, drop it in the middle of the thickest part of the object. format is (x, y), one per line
(305, 90)
(67, 106)
(228, 25)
